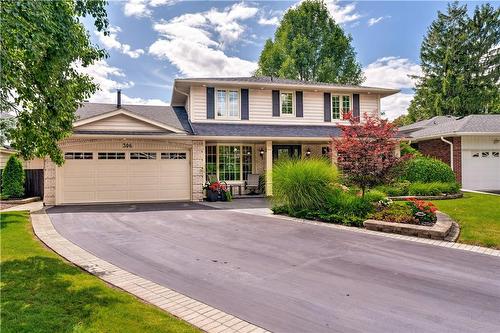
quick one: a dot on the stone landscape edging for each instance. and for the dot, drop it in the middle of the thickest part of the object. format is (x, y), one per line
(427, 241)
(198, 314)
(439, 230)
(428, 197)
(20, 201)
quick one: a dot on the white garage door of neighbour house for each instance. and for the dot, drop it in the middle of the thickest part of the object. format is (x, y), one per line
(481, 169)
(117, 176)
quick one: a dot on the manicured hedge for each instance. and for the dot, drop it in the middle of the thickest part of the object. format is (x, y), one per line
(426, 170)
(13, 178)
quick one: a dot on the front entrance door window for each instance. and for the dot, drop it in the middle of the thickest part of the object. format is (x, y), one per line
(286, 151)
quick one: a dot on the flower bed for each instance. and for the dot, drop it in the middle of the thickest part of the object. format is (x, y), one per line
(440, 230)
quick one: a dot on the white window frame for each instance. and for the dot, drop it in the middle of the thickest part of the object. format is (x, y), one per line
(341, 105)
(293, 103)
(216, 103)
(217, 161)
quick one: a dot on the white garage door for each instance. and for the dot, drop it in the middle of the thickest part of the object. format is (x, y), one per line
(107, 176)
(481, 170)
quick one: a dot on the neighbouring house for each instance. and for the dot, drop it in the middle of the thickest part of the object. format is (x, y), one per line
(470, 145)
(225, 128)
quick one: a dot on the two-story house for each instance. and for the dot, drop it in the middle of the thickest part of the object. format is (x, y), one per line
(224, 128)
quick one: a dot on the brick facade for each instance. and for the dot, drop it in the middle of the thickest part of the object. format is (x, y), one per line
(441, 150)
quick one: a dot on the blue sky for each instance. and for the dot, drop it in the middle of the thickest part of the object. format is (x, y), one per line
(154, 41)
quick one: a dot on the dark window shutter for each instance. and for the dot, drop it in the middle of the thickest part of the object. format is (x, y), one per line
(244, 104)
(210, 103)
(328, 107)
(299, 104)
(276, 103)
(355, 107)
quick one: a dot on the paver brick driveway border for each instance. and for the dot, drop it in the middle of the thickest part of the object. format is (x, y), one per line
(194, 312)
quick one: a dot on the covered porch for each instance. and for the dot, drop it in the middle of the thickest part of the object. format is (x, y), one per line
(246, 165)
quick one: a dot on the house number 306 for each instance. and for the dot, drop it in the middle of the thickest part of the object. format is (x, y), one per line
(127, 145)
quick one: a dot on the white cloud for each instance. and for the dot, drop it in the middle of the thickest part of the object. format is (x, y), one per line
(269, 21)
(395, 105)
(198, 60)
(109, 79)
(194, 42)
(137, 8)
(111, 42)
(391, 72)
(374, 20)
(342, 13)
(142, 8)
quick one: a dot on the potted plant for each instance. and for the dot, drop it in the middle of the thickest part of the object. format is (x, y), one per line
(216, 191)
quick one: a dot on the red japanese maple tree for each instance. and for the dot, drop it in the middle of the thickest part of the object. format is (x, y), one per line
(366, 151)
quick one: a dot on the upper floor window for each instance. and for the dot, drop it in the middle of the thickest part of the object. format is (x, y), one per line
(341, 104)
(286, 103)
(228, 103)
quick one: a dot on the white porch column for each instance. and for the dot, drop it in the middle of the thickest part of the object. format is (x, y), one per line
(269, 168)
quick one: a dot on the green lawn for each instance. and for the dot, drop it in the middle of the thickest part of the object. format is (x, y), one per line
(478, 216)
(42, 293)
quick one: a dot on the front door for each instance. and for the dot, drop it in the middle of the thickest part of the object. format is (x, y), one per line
(287, 151)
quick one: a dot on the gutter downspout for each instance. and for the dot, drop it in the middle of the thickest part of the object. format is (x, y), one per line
(451, 151)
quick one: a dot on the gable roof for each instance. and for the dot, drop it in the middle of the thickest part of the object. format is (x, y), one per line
(181, 85)
(165, 116)
(472, 124)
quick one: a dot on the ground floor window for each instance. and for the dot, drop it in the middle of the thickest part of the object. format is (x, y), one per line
(228, 162)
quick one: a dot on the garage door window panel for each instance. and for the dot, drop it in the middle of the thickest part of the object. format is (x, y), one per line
(142, 156)
(111, 156)
(173, 156)
(78, 155)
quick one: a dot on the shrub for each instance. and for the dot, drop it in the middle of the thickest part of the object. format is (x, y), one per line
(375, 196)
(426, 170)
(395, 189)
(303, 184)
(434, 188)
(346, 203)
(13, 178)
(395, 213)
(406, 149)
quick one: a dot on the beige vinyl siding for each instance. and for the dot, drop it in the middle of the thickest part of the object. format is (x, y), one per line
(260, 106)
(120, 123)
(198, 103)
(369, 104)
(36, 163)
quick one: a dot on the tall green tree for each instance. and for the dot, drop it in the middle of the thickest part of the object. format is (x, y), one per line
(308, 45)
(460, 64)
(41, 43)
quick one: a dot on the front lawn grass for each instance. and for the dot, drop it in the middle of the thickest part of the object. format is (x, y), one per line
(478, 216)
(43, 293)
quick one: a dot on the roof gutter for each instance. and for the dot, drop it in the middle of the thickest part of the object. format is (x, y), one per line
(451, 151)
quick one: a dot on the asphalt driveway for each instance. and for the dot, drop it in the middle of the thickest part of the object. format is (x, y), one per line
(290, 277)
